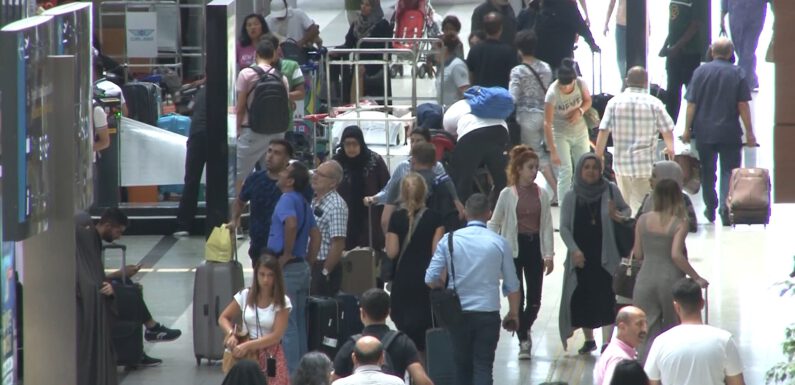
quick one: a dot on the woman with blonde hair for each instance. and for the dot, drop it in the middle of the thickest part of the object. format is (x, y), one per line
(659, 244)
(264, 309)
(522, 216)
(412, 235)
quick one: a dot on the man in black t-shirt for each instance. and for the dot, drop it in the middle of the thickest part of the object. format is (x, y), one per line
(403, 355)
(491, 61)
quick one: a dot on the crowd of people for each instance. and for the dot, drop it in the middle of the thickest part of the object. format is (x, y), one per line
(438, 232)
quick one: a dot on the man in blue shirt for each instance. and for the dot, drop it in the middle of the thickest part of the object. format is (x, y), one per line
(481, 259)
(294, 238)
(261, 190)
(716, 98)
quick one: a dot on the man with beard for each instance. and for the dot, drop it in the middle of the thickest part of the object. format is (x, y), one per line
(632, 330)
(103, 299)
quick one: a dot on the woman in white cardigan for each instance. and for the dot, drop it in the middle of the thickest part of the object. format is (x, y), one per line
(522, 216)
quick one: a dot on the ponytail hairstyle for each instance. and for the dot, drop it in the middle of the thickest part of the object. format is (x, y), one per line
(413, 191)
(668, 200)
(519, 155)
(566, 72)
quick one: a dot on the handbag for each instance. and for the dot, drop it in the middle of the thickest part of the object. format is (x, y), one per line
(229, 360)
(624, 276)
(691, 172)
(219, 245)
(389, 266)
(624, 233)
(445, 303)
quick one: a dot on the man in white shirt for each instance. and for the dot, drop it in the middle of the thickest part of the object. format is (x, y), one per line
(693, 353)
(632, 330)
(292, 24)
(368, 356)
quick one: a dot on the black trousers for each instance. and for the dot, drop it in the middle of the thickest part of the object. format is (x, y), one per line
(680, 70)
(130, 302)
(327, 286)
(482, 146)
(529, 267)
(474, 341)
(195, 160)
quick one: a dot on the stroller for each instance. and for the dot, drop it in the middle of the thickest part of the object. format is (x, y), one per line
(414, 19)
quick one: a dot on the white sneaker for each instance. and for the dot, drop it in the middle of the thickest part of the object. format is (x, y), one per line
(180, 234)
(524, 350)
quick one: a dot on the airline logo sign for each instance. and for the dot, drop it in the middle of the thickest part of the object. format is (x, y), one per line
(141, 34)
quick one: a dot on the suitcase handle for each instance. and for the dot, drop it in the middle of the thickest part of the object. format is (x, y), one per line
(217, 309)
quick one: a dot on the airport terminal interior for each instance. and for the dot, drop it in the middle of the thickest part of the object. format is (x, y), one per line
(743, 264)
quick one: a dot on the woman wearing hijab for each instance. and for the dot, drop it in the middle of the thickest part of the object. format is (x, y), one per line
(245, 372)
(371, 23)
(587, 215)
(660, 243)
(364, 174)
(667, 169)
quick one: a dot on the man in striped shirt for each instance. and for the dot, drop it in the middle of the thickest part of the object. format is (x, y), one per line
(634, 118)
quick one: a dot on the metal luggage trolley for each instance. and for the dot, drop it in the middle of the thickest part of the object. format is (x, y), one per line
(168, 32)
(389, 56)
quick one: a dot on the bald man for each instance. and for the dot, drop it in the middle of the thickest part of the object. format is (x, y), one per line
(368, 356)
(635, 118)
(717, 99)
(632, 330)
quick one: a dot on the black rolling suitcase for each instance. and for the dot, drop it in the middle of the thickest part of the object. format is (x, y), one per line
(127, 331)
(323, 325)
(349, 319)
(440, 356)
(598, 100)
(143, 101)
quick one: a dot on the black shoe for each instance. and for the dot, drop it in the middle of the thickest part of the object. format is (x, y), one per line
(160, 333)
(587, 347)
(150, 361)
(710, 214)
(724, 218)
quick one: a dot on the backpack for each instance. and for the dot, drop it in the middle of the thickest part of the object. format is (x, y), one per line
(269, 110)
(490, 102)
(441, 200)
(386, 341)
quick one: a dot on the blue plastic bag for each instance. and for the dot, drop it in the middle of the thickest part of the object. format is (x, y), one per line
(490, 102)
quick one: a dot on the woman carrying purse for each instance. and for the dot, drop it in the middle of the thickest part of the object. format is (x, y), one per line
(264, 308)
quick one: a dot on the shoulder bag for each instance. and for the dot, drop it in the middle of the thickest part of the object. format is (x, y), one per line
(624, 276)
(445, 303)
(230, 360)
(624, 232)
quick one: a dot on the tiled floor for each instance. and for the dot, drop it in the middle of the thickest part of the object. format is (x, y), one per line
(742, 264)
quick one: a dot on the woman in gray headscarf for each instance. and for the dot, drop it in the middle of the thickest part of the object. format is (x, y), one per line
(371, 23)
(587, 215)
(667, 169)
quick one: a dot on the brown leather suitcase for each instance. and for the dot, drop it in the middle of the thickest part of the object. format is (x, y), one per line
(749, 196)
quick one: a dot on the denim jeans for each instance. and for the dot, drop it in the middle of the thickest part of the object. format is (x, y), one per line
(296, 282)
(570, 149)
(475, 343)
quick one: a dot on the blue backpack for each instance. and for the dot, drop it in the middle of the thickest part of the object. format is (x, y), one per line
(490, 102)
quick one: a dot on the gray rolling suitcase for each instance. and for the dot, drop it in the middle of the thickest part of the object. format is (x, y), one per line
(214, 286)
(360, 266)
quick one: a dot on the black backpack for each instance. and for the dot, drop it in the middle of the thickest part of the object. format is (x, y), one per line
(386, 341)
(441, 200)
(269, 110)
